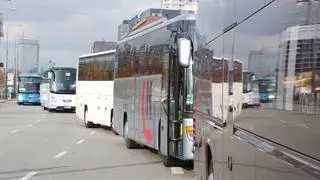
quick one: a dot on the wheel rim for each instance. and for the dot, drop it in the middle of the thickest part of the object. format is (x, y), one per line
(85, 118)
(126, 130)
(211, 177)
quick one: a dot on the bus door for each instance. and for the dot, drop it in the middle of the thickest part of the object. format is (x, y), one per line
(180, 102)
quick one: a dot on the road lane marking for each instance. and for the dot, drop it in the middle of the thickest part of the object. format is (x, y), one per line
(38, 120)
(92, 133)
(302, 125)
(15, 131)
(60, 154)
(283, 121)
(29, 175)
(80, 141)
(177, 171)
(30, 125)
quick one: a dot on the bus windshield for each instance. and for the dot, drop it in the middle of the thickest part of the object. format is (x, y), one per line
(64, 82)
(29, 84)
(248, 82)
(267, 86)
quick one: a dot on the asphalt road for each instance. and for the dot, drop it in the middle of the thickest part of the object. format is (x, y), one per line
(38, 145)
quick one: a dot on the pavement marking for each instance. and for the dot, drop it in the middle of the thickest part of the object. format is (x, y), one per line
(29, 175)
(30, 125)
(80, 141)
(60, 154)
(302, 125)
(38, 120)
(92, 133)
(283, 121)
(177, 171)
(15, 131)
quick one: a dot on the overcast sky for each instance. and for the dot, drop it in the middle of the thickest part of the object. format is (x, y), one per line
(65, 28)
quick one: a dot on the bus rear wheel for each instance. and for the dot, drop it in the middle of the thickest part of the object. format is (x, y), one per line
(87, 123)
(130, 144)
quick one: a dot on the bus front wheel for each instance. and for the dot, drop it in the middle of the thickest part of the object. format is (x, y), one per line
(87, 123)
(130, 144)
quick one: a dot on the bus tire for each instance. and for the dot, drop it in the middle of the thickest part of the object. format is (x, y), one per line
(167, 161)
(210, 170)
(130, 144)
(45, 108)
(87, 123)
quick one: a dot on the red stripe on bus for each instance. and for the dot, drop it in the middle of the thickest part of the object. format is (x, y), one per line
(146, 131)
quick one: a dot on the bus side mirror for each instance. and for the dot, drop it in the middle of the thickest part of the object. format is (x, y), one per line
(184, 50)
(49, 75)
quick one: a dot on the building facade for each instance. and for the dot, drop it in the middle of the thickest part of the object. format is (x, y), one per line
(100, 46)
(187, 5)
(300, 64)
(28, 55)
(263, 62)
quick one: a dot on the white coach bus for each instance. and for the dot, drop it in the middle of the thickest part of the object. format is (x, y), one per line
(94, 98)
(58, 89)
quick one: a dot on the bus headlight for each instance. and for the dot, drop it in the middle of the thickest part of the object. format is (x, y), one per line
(271, 96)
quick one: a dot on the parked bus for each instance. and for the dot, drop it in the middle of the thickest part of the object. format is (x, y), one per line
(153, 86)
(267, 88)
(58, 89)
(278, 140)
(250, 94)
(28, 88)
(95, 88)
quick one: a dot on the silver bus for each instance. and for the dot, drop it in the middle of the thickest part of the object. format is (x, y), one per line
(279, 140)
(153, 99)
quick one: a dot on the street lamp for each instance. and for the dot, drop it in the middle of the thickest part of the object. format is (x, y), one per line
(1, 12)
(7, 56)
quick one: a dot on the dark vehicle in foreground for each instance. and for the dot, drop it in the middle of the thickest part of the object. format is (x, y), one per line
(153, 99)
(279, 140)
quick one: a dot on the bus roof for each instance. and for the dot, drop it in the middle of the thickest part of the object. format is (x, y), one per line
(98, 54)
(29, 75)
(146, 30)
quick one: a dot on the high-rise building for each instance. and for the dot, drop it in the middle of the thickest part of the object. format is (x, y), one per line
(100, 46)
(28, 55)
(187, 5)
(263, 62)
(123, 28)
(299, 65)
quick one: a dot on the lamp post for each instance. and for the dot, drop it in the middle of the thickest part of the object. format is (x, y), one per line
(1, 13)
(7, 57)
